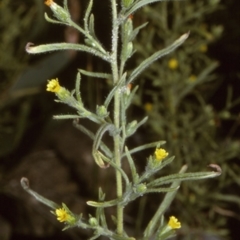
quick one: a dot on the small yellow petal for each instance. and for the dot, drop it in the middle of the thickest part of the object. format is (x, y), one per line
(174, 223)
(148, 107)
(160, 154)
(62, 215)
(173, 63)
(192, 78)
(203, 48)
(53, 86)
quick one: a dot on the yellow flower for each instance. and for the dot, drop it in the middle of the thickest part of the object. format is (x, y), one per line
(48, 2)
(203, 48)
(174, 223)
(173, 63)
(192, 78)
(64, 216)
(148, 107)
(53, 86)
(160, 154)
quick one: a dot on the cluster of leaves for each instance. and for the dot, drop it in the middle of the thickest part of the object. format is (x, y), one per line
(176, 96)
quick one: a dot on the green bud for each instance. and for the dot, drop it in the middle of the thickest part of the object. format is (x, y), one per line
(129, 50)
(141, 188)
(102, 111)
(225, 115)
(59, 12)
(63, 94)
(89, 42)
(131, 128)
(128, 28)
(93, 221)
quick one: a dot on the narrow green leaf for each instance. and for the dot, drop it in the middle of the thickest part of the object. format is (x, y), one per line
(45, 201)
(139, 4)
(95, 74)
(77, 87)
(103, 204)
(156, 56)
(59, 117)
(30, 48)
(144, 120)
(130, 97)
(182, 177)
(87, 14)
(145, 146)
(52, 20)
(136, 31)
(132, 166)
(161, 190)
(92, 26)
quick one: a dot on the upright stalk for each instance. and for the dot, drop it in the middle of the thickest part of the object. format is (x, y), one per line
(116, 138)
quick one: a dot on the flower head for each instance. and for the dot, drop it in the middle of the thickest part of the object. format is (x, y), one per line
(203, 48)
(148, 107)
(59, 12)
(173, 63)
(160, 154)
(62, 215)
(174, 223)
(48, 2)
(53, 86)
(192, 78)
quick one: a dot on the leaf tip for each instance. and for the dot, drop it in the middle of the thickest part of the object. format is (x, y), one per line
(28, 47)
(216, 167)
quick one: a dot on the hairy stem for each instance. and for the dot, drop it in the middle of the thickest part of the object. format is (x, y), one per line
(117, 142)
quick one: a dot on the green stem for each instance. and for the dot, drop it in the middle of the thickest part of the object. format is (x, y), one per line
(117, 140)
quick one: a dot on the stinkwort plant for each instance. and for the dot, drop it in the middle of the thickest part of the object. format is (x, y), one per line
(114, 122)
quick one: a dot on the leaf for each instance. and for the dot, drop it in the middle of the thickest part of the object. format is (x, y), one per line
(183, 177)
(91, 26)
(139, 4)
(95, 74)
(136, 31)
(132, 166)
(103, 204)
(146, 146)
(30, 48)
(87, 14)
(156, 56)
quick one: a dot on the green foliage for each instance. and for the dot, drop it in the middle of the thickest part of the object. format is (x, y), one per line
(133, 185)
(175, 93)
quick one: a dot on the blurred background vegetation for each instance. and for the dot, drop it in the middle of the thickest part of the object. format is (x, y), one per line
(191, 97)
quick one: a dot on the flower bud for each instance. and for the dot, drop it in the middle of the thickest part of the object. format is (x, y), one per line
(93, 221)
(102, 111)
(131, 128)
(59, 12)
(141, 188)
